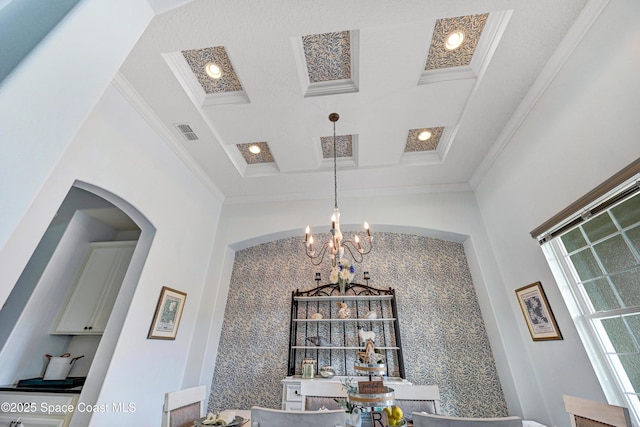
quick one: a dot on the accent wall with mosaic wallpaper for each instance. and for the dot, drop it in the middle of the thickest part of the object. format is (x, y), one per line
(443, 335)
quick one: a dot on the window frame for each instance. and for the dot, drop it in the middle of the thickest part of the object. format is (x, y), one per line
(586, 318)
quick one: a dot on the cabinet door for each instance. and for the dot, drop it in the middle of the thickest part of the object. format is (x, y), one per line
(92, 297)
(35, 409)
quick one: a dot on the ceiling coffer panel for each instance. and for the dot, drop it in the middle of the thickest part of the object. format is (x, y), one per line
(439, 56)
(344, 146)
(328, 56)
(198, 60)
(263, 156)
(415, 144)
(300, 64)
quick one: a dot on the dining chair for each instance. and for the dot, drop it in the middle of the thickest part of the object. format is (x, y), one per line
(418, 398)
(266, 417)
(587, 413)
(431, 420)
(182, 407)
(411, 398)
(317, 394)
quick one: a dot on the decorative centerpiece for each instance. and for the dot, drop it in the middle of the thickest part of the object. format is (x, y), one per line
(342, 274)
(361, 403)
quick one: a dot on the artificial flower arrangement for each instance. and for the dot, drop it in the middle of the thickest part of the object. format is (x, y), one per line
(342, 273)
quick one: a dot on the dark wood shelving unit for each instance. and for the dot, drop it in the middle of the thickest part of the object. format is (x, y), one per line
(342, 334)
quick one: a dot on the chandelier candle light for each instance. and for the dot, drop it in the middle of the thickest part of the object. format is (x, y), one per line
(336, 245)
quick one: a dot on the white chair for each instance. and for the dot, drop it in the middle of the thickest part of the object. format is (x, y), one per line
(418, 398)
(586, 413)
(183, 407)
(319, 394)
(431, 420)
(265, 417)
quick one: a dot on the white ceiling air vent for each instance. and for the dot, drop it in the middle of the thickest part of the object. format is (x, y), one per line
(186, 131)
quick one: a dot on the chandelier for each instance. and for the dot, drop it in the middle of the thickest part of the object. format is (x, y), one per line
(336, 246)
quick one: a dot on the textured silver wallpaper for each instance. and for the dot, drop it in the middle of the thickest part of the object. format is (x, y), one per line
(442, 331)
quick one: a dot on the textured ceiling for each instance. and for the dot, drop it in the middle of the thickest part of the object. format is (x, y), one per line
(380, 65)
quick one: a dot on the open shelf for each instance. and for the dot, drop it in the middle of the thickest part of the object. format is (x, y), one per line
(343, 333)
(388, 319)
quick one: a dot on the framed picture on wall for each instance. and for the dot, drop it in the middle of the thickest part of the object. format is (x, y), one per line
(537, 313)
(168, 313)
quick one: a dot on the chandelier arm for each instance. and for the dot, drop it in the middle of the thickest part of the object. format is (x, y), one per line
(362, 251)
(367, 251)
(320, 255)
(346, 244)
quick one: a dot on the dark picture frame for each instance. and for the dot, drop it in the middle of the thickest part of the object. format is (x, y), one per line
(168, 314)
(537, 313)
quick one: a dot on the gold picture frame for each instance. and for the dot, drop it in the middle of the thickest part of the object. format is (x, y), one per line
(537, 313)
(168, 314)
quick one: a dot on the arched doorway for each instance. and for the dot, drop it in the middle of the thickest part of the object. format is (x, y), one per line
(87, 214)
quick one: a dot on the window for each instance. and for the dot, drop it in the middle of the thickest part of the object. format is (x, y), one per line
(596, 262)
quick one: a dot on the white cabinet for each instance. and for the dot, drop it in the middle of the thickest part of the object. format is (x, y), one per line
(94, 292)
(296, 391)
(291, 397)
(34, 420)
(37, 409)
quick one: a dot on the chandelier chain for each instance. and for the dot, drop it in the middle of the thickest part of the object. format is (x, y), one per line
(336, 247)
(335, 169)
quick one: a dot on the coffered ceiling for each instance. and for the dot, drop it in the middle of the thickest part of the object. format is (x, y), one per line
(383, 66)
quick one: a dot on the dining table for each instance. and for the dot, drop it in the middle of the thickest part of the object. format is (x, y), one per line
(245, 414)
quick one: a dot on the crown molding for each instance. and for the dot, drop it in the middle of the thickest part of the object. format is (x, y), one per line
(572, 39)
(126, 89)
(371, 192)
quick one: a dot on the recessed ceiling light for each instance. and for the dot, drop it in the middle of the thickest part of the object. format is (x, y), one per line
(454, 40)
(213, 70)
(424, 135)
(254, 149)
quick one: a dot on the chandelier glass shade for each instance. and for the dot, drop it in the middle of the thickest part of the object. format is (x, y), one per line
(336, 245)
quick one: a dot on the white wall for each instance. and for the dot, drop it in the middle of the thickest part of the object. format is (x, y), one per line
(43, 103)
(117, 151)
(582, 130)
(41, 18)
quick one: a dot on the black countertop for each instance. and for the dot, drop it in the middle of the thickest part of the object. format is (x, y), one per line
(38, 385)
